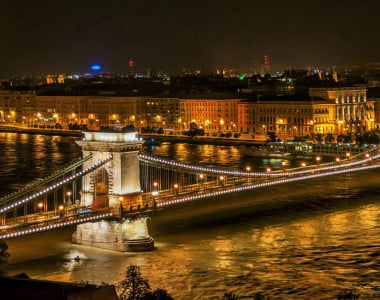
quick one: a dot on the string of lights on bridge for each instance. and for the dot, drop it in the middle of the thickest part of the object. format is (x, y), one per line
(264, 184)
(296, 171)
(54, 226)
(51, 177)
(56, 185)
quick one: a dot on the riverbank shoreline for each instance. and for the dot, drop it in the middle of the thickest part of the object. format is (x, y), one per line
(149, 138)
(58, 132)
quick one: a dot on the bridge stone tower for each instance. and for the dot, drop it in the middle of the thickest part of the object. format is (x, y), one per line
(120, 177)
(115, 185)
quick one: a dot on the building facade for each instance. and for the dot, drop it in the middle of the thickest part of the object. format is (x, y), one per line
(354, 114)
(336, 111)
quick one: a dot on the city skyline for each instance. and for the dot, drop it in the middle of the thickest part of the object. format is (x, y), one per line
(41, 37)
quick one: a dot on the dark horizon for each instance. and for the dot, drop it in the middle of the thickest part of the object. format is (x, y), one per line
(43, 37)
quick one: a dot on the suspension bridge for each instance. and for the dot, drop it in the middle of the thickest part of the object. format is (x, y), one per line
(111, 192)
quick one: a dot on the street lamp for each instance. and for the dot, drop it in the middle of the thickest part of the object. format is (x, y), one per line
(248, 168)
(348, 154)
(68, 194)
(367, 155)
(318, 158)
(121, 206)
(40, 206)
(61, 208)
(303, 164)
(337, 159)
(268, 169)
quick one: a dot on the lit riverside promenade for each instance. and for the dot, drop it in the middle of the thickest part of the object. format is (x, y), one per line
(111, 192)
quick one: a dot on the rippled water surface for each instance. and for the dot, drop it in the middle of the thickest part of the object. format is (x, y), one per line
(299, 242)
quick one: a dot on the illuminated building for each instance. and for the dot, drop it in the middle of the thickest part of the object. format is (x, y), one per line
(213, 115)
(158, 113)
(353, 112)
(332, 110)
(294, 118)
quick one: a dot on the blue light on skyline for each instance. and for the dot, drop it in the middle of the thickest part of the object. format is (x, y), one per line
(95, 67)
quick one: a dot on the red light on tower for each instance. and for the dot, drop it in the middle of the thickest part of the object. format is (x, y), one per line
(131, 63)
(266, 63)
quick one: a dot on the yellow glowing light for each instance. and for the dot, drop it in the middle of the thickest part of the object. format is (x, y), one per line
(38, 115)
(221, 177)
(69, 193)
(175, 186)
(303, 164)
(348, 154)
(248, 168)
(201, 176)
(268, 169)
(337, 159)
(61, 207)
(318, 158)
(155, 184)
(55, 116)
(40, 205)
(221, 122)
(367, 155)
(283, 163)
(120, 198)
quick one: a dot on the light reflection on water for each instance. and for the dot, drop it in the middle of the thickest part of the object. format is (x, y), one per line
(316, 244)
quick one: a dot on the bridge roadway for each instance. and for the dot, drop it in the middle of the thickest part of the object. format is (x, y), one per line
(236, 182)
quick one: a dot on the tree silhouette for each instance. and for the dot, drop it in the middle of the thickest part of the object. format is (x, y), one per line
(133, 286)
(4, 256)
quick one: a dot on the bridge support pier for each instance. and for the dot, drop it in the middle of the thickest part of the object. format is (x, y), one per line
(125, 235)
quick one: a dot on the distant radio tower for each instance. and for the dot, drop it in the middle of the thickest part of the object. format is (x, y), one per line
(266, 64)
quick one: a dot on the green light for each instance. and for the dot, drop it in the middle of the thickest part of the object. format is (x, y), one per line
(241, 77)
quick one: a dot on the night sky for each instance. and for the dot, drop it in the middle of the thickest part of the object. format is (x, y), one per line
(68, 36)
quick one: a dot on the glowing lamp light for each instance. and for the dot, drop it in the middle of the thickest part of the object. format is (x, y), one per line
(337, 159)
(303, 164)
(248, 168)
(95, 67)
(221, 177)
(201, 176)
(120, 198)
(175, 186)
(318, 158)
(283, 163)
(268, 169)
(40, 205)
(348, 154)
(69, 193)
(60, 207)
(155, 184)
(367, 155)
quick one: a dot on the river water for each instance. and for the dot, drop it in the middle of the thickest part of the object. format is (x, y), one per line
(292, 242)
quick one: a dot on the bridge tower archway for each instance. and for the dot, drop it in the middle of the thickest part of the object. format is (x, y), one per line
(117, 178)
